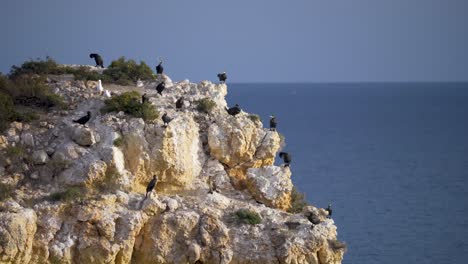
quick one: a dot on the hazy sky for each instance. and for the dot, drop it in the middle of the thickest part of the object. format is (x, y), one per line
(253, 40)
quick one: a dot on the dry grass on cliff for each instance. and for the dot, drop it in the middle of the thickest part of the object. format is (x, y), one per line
(205, 105)
(298, 201)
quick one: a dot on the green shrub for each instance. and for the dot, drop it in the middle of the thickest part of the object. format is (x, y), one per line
(298, 201)
(7, 111)
(205, 105)
(108, 182)
(25, 116)
(127, 72)
(30, 90)
(119, 142)
(15, 152)
(83, 73)
(254, 118)
(129, 103)
(6, 191)
(248, 217)
(70, 194)
(39, 66)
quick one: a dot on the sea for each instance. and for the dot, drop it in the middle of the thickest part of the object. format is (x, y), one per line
(392, 158)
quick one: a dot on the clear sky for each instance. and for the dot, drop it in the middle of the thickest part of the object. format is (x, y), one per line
(253, 40)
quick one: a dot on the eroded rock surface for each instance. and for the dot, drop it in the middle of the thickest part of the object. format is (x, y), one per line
(76, 194)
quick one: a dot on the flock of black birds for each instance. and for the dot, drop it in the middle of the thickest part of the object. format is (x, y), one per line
(233, 111)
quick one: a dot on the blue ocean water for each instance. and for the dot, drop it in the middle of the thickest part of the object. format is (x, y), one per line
(392, 158)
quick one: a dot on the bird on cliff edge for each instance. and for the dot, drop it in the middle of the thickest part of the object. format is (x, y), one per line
(98, 59)
(84, 119)
(144, 98)
(222, 77)
(329, 210)
(160, 88)
(273, 123)
(99, 87)
(233, 110)
(160, 68)
(151, 185)
(286, 158)
(107, 94)
(166, 119)
(179, 103)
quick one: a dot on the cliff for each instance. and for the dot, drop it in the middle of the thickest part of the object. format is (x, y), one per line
(76, 194)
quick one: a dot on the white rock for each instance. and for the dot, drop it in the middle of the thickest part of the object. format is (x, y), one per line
(40, 157)
(84, 136)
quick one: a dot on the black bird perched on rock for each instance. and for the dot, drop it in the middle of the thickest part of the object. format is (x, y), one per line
(159, 68)
(222, 77)
(151, 185)
(286, 158)
(329, 210)
(179, 103)
(97, 59)
(144, 98)
(166, 119)
(84, 119)
(160, 88)
(233, 110)
(273, 123)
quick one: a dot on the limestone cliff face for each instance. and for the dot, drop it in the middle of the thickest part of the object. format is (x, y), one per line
(79, 197)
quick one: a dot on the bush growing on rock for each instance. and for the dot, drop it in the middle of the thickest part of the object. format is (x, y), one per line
(119, 142)
(254, 118)
(38, 66)
(6, 191)
(108, 182)
(129, 103)
(335, 244)
(248, 217)
(70, 194)
(15, 152)
(298, 201)
(31, 91)
(127, 72)
(7, 111)
(205, 105)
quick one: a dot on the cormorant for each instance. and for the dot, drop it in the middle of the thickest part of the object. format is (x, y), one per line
(144, 98)
(160, 88)
(286, 158)
(179, 103)
(233, 110)
(97, 59)
(159, 68)
(151, 185)
(166, 119)
(273, 123)
(83, 120)
(329, 210)
(222, 77)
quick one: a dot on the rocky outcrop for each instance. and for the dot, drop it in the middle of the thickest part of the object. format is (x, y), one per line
(77, 193)
(271, 185)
